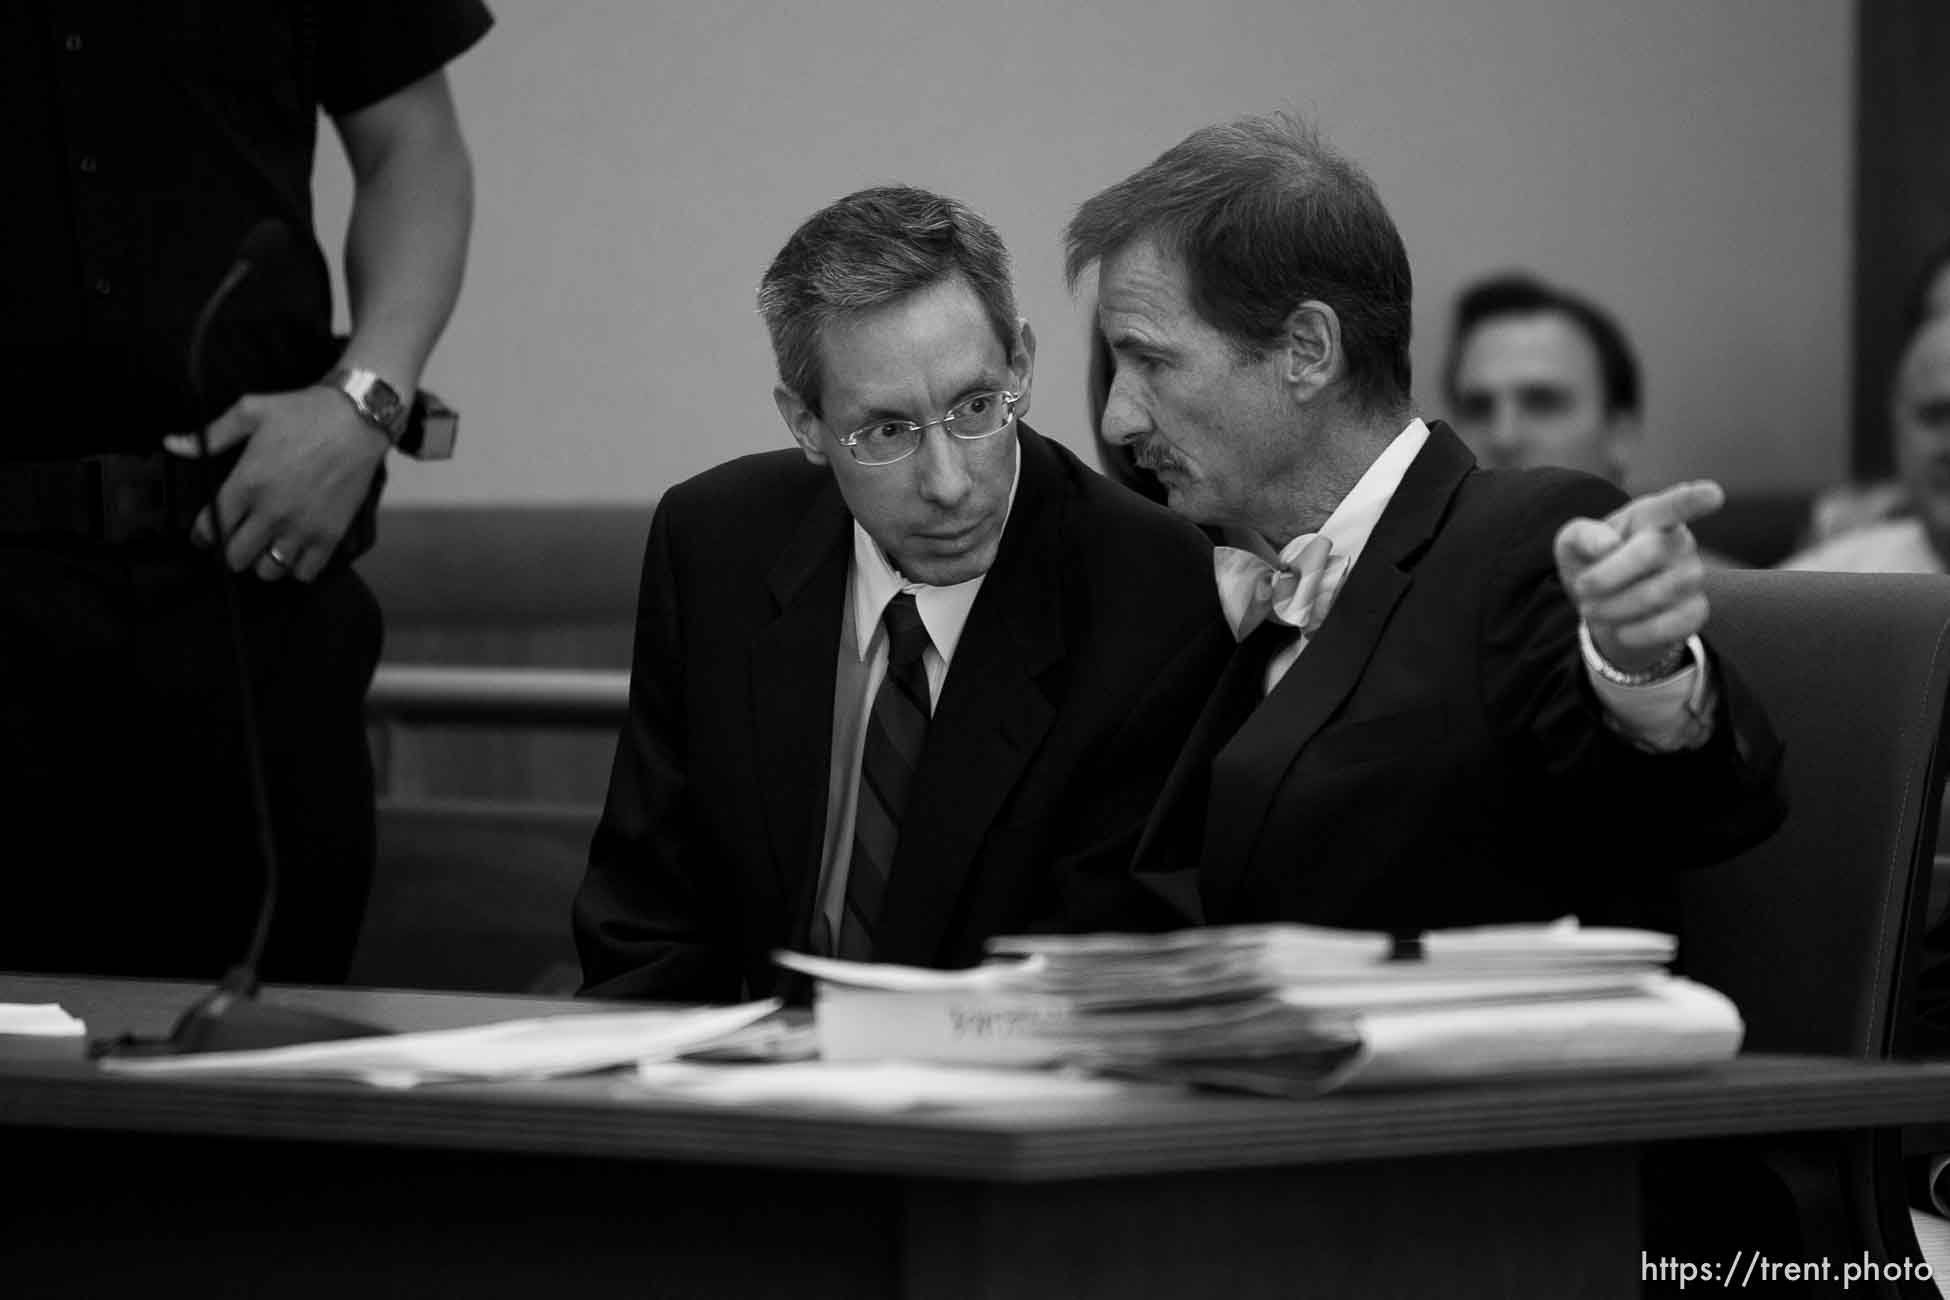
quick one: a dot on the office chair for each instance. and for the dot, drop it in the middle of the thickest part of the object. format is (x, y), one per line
(1816, 933)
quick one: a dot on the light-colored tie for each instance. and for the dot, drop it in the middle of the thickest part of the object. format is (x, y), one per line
(1294, 591)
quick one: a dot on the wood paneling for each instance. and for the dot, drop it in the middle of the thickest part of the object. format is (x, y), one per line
(505, 586)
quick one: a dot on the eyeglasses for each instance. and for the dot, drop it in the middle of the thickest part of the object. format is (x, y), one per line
(977, 416)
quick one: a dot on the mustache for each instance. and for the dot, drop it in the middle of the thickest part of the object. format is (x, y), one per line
(1155, 457)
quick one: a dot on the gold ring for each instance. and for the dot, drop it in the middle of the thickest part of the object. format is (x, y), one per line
(277, 557)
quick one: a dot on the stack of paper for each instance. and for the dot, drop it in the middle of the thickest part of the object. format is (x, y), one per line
(1287, 1008)
(990, 1015)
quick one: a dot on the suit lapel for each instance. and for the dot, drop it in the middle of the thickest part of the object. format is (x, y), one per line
(989, 722)
(1248, 771)
(792, 670)
(1166, 861)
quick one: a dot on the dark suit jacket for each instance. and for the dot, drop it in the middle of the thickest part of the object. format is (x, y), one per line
(1085, 658)
(1437, 756)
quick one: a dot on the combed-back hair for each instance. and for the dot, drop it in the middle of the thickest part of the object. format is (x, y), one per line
(1263, 216)
(1518, 293)
(868, 249)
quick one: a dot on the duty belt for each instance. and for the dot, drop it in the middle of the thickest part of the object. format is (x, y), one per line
(126, 497)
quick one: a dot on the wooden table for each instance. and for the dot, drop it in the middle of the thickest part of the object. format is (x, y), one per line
(591, 1186)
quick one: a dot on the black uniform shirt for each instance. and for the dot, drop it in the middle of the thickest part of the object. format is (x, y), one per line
(145, 141)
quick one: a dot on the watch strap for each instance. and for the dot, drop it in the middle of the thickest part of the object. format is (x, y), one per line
(377, 402)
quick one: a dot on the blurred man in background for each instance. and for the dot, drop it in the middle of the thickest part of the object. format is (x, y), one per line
(1842, 509)
(1919, 421)
(1540, 376)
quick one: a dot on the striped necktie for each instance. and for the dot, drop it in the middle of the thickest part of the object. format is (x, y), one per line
(895, 731)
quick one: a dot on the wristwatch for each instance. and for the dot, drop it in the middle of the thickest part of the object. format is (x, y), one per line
(1686, 654)
(376, 401)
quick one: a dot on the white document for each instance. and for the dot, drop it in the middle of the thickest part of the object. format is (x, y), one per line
(1212, 963)
(890, 978)
(38, 1020)
(975, 1027)
(1436, 990)
(1290, 1009)
(873, 1086)
(1671, 1023)
(984, 1015)
(539, 1048)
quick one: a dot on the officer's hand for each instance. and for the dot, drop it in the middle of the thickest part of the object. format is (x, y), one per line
(307, 463)
(1636, 575)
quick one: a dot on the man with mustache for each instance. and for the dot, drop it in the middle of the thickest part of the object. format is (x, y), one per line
(910, 686)
(1459, 696)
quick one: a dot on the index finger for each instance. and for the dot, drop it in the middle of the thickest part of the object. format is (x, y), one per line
(1679, 504)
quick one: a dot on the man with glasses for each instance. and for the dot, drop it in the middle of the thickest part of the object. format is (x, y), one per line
(912, 686)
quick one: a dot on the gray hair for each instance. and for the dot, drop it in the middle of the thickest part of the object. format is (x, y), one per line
(868, 249)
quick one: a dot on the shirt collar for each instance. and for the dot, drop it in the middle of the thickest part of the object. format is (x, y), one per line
(943, 610)
(1353, 520)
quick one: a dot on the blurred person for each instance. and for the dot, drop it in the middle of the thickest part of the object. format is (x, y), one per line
(159, 148)
(1538, 375)
(1849, 506)
(1459, 695)
(1915, 538)
(1919, 419)
(1929, 301)
(911, 685)
(1929, 289)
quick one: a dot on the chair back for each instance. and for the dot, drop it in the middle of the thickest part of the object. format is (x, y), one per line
(1815, 933)
(474, 897)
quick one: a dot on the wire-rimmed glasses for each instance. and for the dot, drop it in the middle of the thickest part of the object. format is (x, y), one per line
(977, 416)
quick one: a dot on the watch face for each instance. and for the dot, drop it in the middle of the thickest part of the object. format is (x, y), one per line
(376, 399)
(384, 402)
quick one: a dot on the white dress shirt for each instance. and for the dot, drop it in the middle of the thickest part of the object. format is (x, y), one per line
(871, 582)
(1675, 713)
